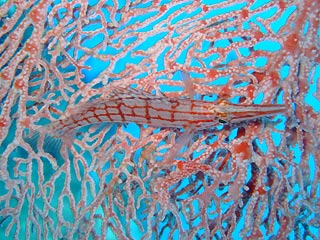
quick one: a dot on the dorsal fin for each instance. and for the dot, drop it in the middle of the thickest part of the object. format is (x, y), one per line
(188, 83)
(121, 92)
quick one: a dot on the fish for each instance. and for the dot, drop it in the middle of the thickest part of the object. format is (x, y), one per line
(125, 105)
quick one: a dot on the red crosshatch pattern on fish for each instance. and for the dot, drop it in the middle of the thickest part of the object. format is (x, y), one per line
(130, 105)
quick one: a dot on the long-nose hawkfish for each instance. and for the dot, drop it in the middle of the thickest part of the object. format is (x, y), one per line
(124, 105)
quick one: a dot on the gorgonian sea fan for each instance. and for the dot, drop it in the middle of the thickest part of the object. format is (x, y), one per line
(255, 179)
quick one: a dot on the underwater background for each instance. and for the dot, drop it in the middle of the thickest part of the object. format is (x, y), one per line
(255, 179)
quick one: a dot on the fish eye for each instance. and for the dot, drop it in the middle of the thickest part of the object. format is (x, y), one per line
(222, 121)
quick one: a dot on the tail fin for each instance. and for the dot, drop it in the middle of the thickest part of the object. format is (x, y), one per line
(49, 144)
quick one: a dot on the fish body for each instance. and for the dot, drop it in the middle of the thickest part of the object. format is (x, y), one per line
(131, 105)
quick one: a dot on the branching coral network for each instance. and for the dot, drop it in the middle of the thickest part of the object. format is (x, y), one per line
(255, 179)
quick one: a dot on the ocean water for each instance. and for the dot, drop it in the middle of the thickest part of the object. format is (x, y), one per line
(126, 56)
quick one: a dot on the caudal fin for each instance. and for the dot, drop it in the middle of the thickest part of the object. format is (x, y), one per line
(47, 143)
